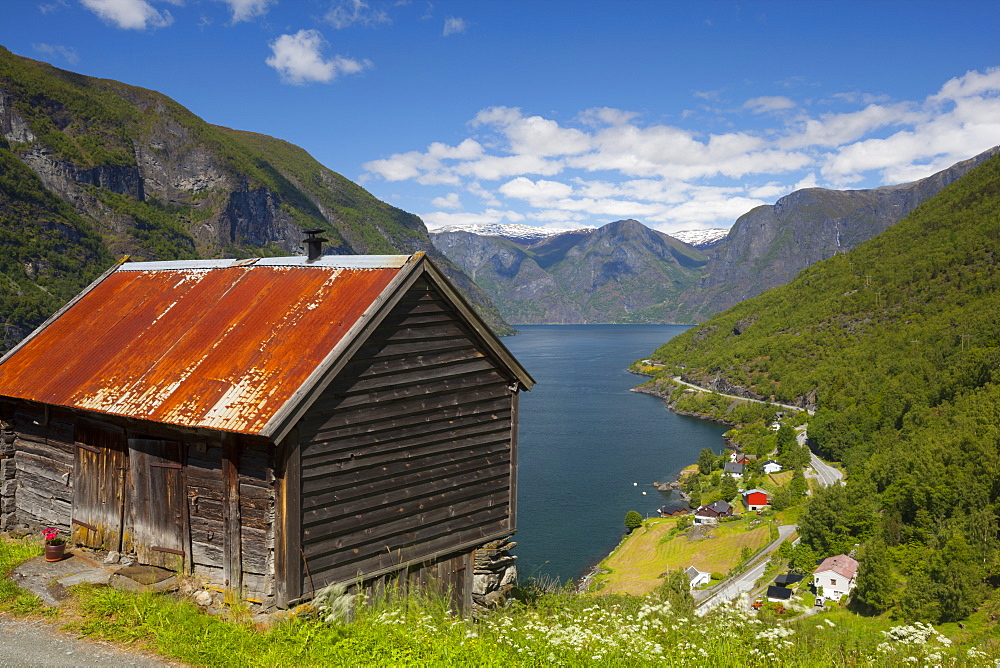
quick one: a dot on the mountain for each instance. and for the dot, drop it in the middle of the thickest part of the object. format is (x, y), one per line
(531, 279)
(897, 343)
(771, 244)
(94, 169)
(622, 272)
(702, 239)
(519, 234)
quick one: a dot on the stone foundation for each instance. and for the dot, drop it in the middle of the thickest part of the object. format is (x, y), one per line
(494, 575)
(8, 509)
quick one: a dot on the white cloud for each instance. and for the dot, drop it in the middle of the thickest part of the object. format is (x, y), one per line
(438, 219)
(299, 60)
(67, 53)
(129, 14)
(245, 10)
(537, 193)
(454, 25)
(761, 105)
(449, 201)
(768, 191)
(607, 163)
(606, 116)
(347, 13)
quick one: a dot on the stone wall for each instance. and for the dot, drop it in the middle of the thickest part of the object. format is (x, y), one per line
(494, 575)
(8, 509)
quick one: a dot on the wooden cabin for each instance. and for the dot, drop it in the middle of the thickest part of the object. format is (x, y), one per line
(272, 425)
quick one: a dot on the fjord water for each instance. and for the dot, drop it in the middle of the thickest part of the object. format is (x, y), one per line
(585, 438)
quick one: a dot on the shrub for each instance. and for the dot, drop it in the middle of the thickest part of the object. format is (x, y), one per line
(633, 520)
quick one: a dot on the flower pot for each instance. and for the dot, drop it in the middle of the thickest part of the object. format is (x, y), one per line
(55, 552)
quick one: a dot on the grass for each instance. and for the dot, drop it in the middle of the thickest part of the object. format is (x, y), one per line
(552, 629)
(638, 565)
(14, 551)
(781, 478)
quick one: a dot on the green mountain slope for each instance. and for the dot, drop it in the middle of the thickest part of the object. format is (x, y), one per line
(898, 344)
(95, 169)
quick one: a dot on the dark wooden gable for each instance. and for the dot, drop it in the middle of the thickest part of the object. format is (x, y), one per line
(407, 454)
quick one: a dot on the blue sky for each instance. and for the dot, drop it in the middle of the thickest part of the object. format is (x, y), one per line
(565, 114)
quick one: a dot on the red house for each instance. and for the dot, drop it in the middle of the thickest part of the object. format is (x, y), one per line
(755, 499)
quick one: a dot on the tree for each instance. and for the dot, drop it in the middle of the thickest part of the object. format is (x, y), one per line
(786, 440)
(633, 520)
(958, 580)
(706, 461)
(728, 487)
(876, 584)
(798, 486)
(838, 517)
(694, 499)
(676, 590)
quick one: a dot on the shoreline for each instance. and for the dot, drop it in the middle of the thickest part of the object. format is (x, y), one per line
(582, 584)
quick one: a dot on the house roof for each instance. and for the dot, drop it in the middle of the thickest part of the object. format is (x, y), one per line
(780, 593)
(232, 345)
(788, 578)
(717, 507)
(770, 461)
(673, 507)
(841, 565)
(733, 467)
(692, 573)
(754, 491)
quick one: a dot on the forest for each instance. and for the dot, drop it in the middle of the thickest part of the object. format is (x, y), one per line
(897, 343)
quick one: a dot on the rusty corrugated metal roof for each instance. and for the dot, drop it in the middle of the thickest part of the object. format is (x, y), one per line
(204, 344)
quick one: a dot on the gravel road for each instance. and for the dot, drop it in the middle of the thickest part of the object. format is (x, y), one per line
(38, 643)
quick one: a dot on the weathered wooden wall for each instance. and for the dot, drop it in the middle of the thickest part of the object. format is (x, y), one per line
(407, 454)
(38, 490)
(44, 454)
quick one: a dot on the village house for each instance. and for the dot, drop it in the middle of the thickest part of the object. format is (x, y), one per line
(770, 466)
(788, 579)
(711, 513)
(733, 469)
(778, 594)
(834, 577)
(697, 578)
(674, 509)
(755, 499)
(270, 425)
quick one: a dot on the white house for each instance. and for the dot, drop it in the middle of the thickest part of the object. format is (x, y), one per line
(835, 576)
(696, 577)
(770, 466)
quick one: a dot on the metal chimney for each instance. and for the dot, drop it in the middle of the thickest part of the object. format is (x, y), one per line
(314, 245)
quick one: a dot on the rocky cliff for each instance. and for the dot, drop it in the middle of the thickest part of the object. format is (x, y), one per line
(623, 272)
(770, 245)
(92, 169)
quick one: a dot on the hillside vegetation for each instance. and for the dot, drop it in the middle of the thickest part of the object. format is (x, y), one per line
(898, 344)
(93, 169)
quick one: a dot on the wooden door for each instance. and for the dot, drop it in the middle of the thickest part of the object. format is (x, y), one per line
(99, 477)
(157, 520)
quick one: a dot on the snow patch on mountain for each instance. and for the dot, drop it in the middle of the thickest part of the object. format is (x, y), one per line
(701, 239)
(512, 231)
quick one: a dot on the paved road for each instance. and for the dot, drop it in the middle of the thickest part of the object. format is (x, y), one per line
(825, 474)
(730, 589)
(677, 379)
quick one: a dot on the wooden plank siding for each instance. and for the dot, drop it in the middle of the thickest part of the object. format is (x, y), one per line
(44, 457)
(406, 456)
